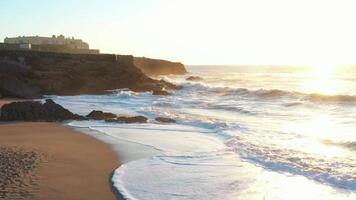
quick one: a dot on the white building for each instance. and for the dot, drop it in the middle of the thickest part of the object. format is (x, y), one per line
(36, 40)
(25, 46)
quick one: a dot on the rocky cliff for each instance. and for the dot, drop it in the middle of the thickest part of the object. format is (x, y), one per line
(159, 67)
(31, 74)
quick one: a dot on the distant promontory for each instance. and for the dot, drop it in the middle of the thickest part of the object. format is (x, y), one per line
(159, 67)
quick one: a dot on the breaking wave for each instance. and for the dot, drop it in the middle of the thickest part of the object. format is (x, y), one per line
(338, 173)
(269, 94)
(347, 144)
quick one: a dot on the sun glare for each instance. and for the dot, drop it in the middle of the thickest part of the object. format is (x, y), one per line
(316, 130)
(322, 79)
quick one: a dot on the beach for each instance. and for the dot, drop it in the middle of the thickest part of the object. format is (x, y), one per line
(69, 164)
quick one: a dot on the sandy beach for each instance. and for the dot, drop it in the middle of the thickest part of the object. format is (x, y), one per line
(70, 165)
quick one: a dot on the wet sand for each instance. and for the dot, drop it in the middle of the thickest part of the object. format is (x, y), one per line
(69, 164)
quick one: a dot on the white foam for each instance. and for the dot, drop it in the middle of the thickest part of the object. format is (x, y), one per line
(191, 165)
(214, 176)
(167, 138)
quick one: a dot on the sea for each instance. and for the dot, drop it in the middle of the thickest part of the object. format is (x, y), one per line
(241, 132)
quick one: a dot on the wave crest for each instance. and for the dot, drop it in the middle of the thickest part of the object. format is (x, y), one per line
(347, 144)
(269, 93)
(337, 173)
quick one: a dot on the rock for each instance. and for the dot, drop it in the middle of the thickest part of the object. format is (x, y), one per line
(169, 85)
(194, 78)
(135, 119)
(100, 115)
(36, 111)
(165, 120)
(160, 92)
(110, 117)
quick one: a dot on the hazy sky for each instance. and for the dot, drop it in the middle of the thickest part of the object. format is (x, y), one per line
(197, 31)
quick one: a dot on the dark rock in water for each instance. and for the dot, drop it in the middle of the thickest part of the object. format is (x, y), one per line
(194, 78)
(135, 119)
(169, 85)
(100, 115)
(165, 120)
(110, 117)
(160, 92)
(36, 111)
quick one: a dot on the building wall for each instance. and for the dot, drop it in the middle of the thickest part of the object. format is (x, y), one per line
(25, 46)
(63, 49)
(48, 48)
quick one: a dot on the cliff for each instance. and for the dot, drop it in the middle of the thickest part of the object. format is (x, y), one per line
(159, 67)
(31, 74)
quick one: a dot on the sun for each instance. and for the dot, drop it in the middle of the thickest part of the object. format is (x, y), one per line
(324, 67)
(321, 79)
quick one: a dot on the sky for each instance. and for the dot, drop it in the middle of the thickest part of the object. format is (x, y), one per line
(271, 32)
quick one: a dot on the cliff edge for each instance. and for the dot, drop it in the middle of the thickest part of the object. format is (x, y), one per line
(31, 74)
(159, 67)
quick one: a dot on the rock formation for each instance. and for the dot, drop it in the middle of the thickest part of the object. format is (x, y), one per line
(134, 119)
(194, 78)
(31, 74)
(100, 115)
(110, 117)
(165, 120)
(160, 92)
(159, 67)
(36, 111)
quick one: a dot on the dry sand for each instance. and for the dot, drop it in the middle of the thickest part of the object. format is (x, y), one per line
(72, 165)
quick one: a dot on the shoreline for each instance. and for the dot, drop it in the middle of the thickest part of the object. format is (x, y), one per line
(71, 167)
(127, 150)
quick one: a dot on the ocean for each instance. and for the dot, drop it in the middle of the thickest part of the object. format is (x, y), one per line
(243, 132)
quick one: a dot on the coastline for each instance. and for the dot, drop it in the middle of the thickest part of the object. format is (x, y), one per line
(75, 165)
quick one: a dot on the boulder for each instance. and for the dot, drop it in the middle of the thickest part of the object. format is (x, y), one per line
(194, 78)
(160, 92)
(100, 115)
(165, 120)
(169, 85)
(123, 119)
(110, 117)
(36, 111)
